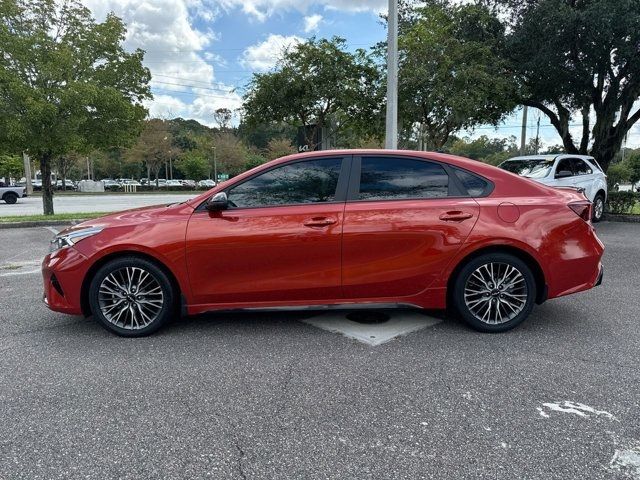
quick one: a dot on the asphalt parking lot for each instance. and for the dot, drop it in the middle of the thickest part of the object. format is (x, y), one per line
(270, 396)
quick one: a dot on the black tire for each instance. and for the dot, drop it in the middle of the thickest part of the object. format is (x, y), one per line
(116, 267)
(598, 213)
(497, 298)
(10, 198)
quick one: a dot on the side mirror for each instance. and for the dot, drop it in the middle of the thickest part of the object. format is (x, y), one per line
(218, 202)
(564, 174)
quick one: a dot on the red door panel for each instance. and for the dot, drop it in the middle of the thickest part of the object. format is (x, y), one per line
(271, 254)
(398, 248)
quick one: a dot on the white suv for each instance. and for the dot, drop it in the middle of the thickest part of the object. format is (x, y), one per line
(564, 171)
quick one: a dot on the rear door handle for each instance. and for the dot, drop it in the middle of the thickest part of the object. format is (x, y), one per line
(319, 222)
(455, 216)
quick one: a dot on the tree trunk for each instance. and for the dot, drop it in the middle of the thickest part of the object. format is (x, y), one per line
(605, 149)
(47, 188)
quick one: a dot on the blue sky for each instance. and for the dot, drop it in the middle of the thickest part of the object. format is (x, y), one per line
(202, 53)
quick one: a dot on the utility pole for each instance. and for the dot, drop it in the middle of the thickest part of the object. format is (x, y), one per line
(538, 136)
(27, 172)
(523, 135)
(391, 137)
(215, 166)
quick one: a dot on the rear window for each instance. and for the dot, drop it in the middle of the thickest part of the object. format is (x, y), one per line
(531, 167)
(474, 185)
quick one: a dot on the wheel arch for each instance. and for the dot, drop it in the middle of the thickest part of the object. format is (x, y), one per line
(526, 257)
(86, 282)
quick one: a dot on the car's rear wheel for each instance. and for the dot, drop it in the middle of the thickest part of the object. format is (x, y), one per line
(131, 297)
(10, 198)
(494, 292)
(598, 207)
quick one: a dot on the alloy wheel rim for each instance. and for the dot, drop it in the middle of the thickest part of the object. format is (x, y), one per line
(599, 207)
(496, 293)
(130, 298)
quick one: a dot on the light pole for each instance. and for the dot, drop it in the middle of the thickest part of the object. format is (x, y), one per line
(391, 137)
(215, 166)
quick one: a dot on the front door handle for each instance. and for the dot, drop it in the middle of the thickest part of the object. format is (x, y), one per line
(455, 216)
(319, 222)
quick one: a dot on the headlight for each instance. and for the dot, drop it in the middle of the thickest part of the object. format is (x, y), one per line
(71, 238)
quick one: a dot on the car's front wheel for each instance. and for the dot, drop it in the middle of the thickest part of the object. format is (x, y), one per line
(598, 207)
(131, 297)
(494, 292)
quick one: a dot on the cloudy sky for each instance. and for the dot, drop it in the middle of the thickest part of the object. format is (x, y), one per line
(202, 53)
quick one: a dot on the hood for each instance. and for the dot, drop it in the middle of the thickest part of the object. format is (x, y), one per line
(134, 216)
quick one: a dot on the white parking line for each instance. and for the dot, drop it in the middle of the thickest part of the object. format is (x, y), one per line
(52, 230)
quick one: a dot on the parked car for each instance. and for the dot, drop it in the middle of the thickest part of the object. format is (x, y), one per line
(340, 229)
(130, 182)
(11, 194)
(188, 183)
(68, 185)
(111, 185)
(206, 184)
(579, 171)
(172, 183)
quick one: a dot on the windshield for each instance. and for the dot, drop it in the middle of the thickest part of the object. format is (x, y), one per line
(531, 168)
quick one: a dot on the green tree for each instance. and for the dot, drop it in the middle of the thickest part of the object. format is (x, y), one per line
(450, 71)
(279, 147)
(154, 147)
(482, 147)
(231, 153)
(66, 82)
(10, 166)
(633, 164)
(193, 165)
(578, 60)
(315, 84)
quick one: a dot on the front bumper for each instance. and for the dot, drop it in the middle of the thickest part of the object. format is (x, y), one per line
(62, 273)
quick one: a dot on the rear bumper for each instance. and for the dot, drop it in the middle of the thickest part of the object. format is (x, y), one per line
(600, 275)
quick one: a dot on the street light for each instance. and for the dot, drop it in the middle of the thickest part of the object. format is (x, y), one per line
(391, 137)
(215, 166)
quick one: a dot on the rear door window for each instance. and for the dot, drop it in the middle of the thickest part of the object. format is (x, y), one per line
(393, 178)
(564, 165)
(580, 167)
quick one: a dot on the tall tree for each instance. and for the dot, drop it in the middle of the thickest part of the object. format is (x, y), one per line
(154, 147)
(449, 71)
(579, 61)
(314, 83)
(66, 82)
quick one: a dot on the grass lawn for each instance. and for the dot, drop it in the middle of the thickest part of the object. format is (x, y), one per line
(57, 216)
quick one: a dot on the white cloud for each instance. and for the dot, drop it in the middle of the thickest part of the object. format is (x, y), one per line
(183, 77)
(264, 55)
(312, 22)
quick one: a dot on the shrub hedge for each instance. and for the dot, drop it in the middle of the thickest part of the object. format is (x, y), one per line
(622, 202)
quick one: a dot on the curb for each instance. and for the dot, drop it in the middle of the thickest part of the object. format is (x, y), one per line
(617, 217)
(40, 223)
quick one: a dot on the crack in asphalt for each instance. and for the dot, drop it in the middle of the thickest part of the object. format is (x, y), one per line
(241, 456)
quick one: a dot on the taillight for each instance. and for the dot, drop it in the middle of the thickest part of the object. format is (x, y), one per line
(582, 209)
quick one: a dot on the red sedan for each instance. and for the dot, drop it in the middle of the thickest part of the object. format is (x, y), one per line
(343, 229)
